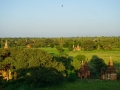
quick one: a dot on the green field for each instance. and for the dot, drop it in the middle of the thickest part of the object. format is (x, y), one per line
(105, 55)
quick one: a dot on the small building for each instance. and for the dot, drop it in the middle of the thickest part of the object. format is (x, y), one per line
(110, 73)
(76, 48)
(28, 46)
(84, 71)
(6, 72)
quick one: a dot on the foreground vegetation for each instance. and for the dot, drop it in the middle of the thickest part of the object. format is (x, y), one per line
(89, 84)
(55, 71)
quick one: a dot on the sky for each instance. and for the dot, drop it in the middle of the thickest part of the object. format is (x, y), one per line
(47, 18)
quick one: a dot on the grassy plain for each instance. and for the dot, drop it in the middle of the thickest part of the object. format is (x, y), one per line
(105, 55)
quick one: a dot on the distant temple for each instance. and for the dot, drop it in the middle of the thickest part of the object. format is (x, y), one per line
(6, 73)
(84, 71)
(28, 46)
(98, 47)
(6, 44)
(77, 48)
(110, 73)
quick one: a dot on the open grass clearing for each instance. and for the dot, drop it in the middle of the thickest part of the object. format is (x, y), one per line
(105, 55)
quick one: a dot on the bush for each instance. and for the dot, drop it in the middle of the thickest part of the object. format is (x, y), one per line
(72, 76)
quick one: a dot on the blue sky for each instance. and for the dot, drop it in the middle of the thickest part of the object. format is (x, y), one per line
(46, 18)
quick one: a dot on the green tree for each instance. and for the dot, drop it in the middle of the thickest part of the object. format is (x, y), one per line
(89, 45)
(96, 65)
(76, 63)
(59, 49)
(8, 60)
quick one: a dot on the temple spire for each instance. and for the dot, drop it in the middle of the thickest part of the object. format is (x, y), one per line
(110, 62)
(82, 63)
(6, 44)
(73, 46)
(86, 60)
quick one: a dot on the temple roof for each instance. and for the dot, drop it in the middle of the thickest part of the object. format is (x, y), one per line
(84, 67)
(110, 62)
(110, 68)
(6, 44)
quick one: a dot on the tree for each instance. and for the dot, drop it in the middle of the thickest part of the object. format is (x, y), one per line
(9, 60)
(76, 63)
(96, 65)
(80, 57)
(48, 41)
(59, 49)
(89, 45)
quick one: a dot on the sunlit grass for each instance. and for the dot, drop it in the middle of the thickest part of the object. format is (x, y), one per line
(50, 50)
(105, 55)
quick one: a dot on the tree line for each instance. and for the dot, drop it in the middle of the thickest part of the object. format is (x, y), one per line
(86, 43)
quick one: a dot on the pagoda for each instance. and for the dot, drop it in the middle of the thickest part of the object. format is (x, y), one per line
(28, 46)
(84, 71)
(76, 48)
(110, 73)
(6, 44)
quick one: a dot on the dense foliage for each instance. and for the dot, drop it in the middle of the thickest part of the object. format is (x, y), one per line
(76, 63)
(96, 65)
(86, 43)
(33, 65)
